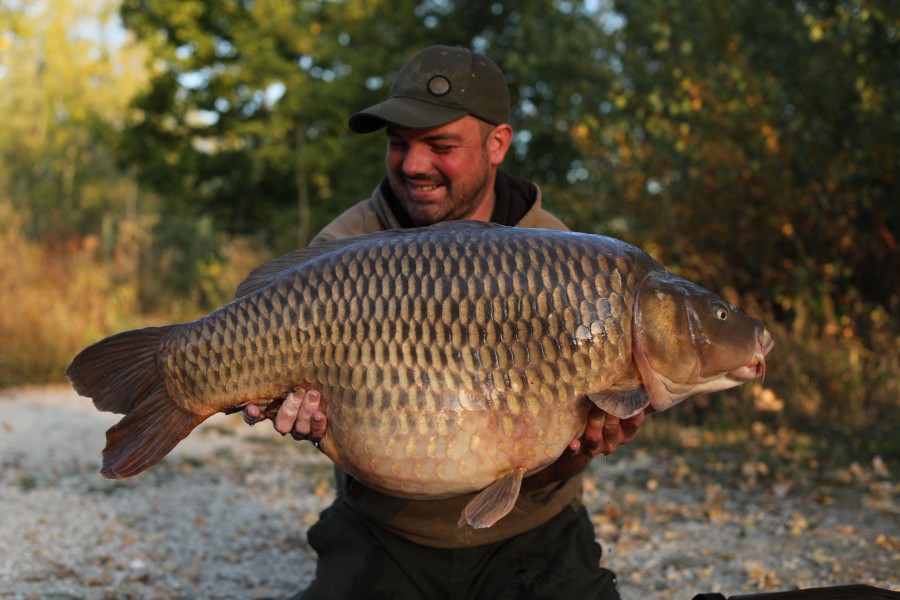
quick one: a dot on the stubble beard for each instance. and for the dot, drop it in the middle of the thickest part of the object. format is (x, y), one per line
(458, 203)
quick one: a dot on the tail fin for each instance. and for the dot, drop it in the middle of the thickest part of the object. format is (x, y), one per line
(121, 374)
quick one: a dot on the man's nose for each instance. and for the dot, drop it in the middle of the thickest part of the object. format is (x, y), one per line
(415, 161)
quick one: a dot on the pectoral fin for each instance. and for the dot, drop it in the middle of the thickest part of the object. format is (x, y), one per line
(494, 502)
(622, 401)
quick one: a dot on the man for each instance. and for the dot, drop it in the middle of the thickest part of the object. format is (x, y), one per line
(446, 119)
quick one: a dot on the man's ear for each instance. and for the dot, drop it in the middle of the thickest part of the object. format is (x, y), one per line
(498, 143)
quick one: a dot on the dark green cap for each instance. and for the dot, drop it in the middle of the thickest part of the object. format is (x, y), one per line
(439, 85)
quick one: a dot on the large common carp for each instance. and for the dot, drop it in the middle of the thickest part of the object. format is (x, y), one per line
(450, 359)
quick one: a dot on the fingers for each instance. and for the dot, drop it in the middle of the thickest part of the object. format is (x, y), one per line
(317, 426)
(631, 425)
(300, 416)
(253, 414)
(612, 434)
(597, 433)
(604, 433)
(286, 417)
(304, 424)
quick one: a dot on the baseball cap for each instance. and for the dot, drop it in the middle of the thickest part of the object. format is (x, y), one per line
(438, 85)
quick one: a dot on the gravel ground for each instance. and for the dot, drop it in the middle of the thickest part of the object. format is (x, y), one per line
(218, 518)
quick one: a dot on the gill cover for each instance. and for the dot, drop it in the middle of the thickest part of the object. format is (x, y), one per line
(688, 340)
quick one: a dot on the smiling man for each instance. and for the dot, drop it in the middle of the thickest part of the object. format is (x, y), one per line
(447, 127)
(448, 172)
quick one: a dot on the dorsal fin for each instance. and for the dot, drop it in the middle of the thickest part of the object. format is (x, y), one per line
(268, 272)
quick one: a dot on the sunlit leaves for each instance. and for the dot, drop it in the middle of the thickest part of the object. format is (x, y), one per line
(746, 116)
(66, 79)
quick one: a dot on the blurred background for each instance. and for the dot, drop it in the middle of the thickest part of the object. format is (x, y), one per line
(152, 152)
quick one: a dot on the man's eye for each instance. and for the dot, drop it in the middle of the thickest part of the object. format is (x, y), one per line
(441, 149)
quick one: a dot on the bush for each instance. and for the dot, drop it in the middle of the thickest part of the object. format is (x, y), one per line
(57, 296)
(61, 295)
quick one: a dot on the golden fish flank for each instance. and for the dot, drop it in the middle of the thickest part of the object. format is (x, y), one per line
(451, 359)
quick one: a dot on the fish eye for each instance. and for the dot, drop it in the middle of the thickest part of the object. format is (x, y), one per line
(721, 311)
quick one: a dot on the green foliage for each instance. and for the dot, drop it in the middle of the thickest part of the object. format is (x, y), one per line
(753, 147)
(766, 130)
(236, 124)
(751, 126)
(246, 115)
(64, 84)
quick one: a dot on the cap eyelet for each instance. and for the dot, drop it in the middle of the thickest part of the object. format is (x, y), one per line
(439, 85)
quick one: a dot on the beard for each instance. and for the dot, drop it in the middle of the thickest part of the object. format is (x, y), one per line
(430, 199)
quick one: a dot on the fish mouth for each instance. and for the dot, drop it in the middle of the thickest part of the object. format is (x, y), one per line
(756, 368)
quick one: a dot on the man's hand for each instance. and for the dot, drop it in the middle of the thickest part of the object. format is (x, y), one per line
(298, 415)
(603, 434)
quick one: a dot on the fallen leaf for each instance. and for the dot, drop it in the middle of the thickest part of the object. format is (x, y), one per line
(798, 524)
(879, 467)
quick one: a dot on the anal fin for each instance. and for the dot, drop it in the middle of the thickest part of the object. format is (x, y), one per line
(494, 502)
(622, 401)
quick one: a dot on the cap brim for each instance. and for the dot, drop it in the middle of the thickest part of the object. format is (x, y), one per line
(406, 112)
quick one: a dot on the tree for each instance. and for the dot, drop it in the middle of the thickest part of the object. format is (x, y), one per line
(741, 142)
(66, 82)
(755, 144)
(246, 115)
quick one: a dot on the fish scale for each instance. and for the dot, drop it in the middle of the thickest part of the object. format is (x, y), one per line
(449, 359)
(495, 342)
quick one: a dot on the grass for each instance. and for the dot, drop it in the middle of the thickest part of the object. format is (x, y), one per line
(57, 296)
(60, 295)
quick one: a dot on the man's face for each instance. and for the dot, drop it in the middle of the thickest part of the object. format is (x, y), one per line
(447, 172)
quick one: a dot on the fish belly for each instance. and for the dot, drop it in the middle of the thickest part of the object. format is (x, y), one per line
(419, 453)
